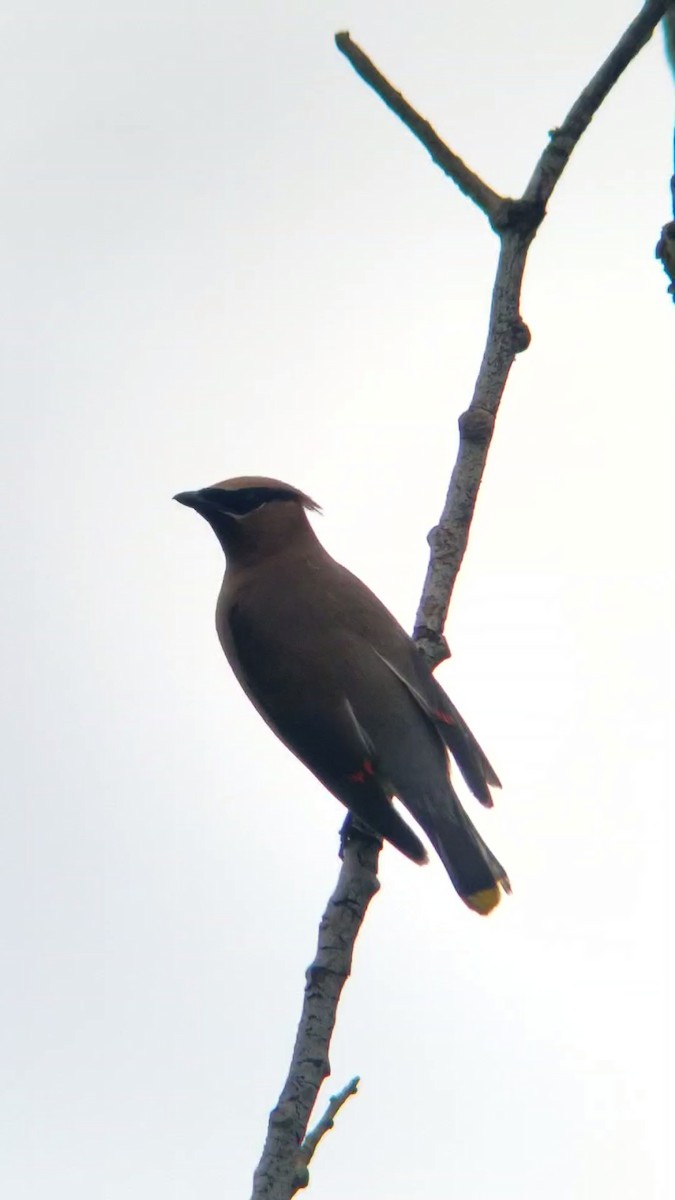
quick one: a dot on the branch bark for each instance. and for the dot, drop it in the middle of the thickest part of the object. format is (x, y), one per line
(445, 158)
(282, 1170)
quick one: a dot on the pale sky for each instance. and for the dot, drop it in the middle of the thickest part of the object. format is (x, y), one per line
(221, 255)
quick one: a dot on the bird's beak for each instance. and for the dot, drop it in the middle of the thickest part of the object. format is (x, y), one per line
(206, 501)
(189, 499)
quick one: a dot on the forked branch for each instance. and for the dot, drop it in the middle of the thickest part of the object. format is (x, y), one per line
(516, 222)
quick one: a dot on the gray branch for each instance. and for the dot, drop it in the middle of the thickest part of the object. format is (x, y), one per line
(445, 158)
(282, 1170)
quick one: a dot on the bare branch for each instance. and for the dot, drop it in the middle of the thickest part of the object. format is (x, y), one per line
(282, 1170)
(507, 336)
(308, 1148)
(276, 1177)
(449, 162)
(516, 222)
(555, 157)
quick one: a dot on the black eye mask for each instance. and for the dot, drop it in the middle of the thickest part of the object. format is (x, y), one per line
(244, 500)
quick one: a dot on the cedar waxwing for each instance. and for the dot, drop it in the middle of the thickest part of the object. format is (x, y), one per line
(340, 682)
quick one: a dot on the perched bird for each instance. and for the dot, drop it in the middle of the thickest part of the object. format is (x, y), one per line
(340, 682)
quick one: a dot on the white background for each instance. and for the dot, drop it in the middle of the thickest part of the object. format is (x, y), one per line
(223, 255)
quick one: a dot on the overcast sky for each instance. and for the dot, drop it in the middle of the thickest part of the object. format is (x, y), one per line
(222, 255)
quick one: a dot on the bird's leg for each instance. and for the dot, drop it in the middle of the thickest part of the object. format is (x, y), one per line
(353, 829)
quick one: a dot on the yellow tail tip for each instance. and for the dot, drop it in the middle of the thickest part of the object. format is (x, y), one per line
(484, 902)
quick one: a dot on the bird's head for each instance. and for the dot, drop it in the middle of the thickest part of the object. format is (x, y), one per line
(252, 516)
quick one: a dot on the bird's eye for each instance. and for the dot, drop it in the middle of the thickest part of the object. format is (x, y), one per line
(246, 500)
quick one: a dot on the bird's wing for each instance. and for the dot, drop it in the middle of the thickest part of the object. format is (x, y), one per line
(365, 615)
(471, 759)
(311, 713)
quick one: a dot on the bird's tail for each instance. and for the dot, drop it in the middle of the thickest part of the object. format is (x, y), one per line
(477, 876)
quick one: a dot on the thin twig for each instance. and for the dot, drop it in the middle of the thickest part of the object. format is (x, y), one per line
(324, 1126)
(563, 139)
(516, 221)
(466, 179)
